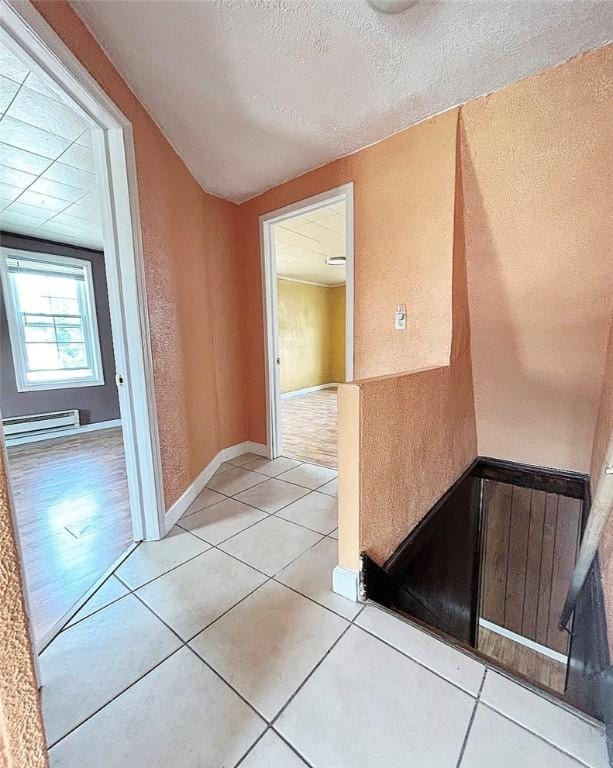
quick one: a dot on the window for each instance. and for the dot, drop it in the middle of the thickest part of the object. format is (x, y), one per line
(52, 320)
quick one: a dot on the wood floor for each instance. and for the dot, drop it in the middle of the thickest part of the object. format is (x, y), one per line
(73, 516)
(536, 666)
(308, 424)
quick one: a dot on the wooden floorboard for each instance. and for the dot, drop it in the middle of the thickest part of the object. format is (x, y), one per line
(309, 427)
(73, 517)
(534, 665)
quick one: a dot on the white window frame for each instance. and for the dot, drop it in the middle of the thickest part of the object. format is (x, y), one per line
(16, 330)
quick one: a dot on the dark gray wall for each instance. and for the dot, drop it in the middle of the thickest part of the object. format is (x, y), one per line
(94, 403)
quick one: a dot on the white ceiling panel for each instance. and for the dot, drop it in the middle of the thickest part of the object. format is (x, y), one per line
(48, 186)
(302, 245)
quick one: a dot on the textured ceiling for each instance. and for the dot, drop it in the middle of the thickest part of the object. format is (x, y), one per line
(48, 185)
(251, 92)
(303, 243)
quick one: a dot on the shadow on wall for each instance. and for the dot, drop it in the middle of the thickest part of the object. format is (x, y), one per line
(417, 431)
(507, 365)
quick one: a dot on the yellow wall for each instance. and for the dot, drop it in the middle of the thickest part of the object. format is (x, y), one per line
(311, 334)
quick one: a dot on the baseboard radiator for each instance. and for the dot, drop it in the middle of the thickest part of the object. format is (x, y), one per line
(40, 423)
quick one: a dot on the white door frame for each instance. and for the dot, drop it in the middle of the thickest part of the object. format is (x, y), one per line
(25, 30)
(340, 194)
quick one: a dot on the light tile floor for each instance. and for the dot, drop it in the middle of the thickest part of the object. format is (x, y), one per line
(223, 646)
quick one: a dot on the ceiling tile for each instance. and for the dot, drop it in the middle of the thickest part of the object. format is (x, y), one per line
(90, 202)
(30, 138)
(28, 211)
(80, 212)
(35, 188)
(8, 89)
(65, 218)
(11, 66)
(54, 189)
(74, 177)
(79, 157)
(8, 193)
(22, 160)
(15, 177)
(85, 140)
(39, 84)
(303, 244)
(9, 219)
(49, 115)
(43, 201)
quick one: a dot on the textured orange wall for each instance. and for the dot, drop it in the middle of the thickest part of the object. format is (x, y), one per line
(193, 282)
(402, 243)
(22, 741)
(418, 432)
(604, 429)
(538, 192)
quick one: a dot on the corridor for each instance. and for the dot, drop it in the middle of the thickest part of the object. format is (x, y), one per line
(223, 645)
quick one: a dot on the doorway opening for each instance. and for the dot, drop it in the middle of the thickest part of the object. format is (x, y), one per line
(76, 395)
(308, 285)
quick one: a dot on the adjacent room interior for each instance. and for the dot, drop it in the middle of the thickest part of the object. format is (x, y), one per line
(58, 397)
(311, 270)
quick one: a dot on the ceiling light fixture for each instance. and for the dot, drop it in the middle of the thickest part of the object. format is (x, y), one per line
(391, 6)
(336, 261)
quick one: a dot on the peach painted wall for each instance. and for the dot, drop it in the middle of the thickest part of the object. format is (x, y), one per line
(538, 194)
(604, 429)
(418, 431)
(193, 282)
(402, 243)
(22, 740)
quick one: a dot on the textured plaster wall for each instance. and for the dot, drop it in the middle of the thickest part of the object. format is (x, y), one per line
(193, 281)
(403, 197)
(337, 297)
(538, 193)
(417, 431)
(604, 429)
(311, 334)
(22, 741)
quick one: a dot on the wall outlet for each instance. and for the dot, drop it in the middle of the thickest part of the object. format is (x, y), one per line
(400, 318)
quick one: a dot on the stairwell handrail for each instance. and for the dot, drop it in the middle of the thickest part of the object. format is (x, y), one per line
(602, 505)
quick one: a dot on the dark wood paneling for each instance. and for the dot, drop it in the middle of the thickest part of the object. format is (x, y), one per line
(571, 484)
(518, 554)
(547, 550)
(434, 576)
(525, 590)
(533, 563)
(566, 542)
(497, 516)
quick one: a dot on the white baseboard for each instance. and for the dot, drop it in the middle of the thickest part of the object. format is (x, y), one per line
(306, 390)
(345, 583)
(12, 441)
(189, 494)
(247, 447)
(523, 641)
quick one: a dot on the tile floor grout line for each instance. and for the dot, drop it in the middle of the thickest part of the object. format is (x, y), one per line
(174, 567)
(292, 747)
(310, 674)
(311, 599)
(113, 698)
(472, 718)
(557, 747)
(252, 747)
(226, 682)
(271, 576)
(416, 661)
(231, 608)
